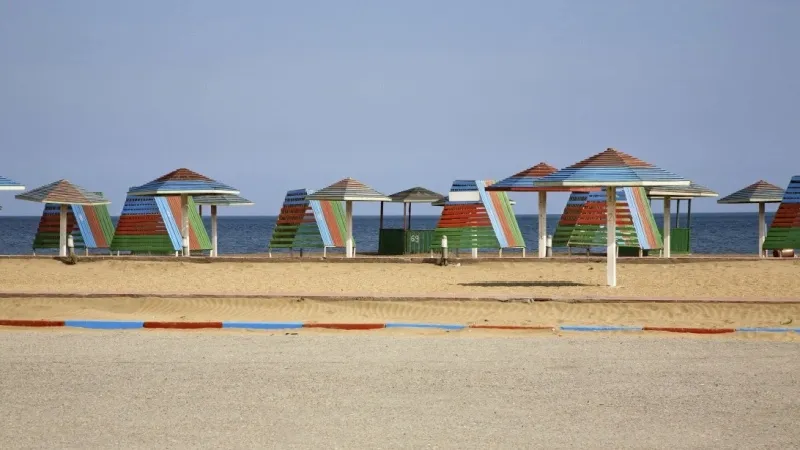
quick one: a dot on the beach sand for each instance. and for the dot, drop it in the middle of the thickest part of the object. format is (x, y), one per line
(695, 280)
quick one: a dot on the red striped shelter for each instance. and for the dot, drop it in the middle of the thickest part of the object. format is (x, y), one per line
(610, 169)
(64, 194)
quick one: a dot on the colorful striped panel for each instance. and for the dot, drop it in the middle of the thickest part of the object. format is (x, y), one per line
(90, 226)
(150, 224)
(566, 224)
(488, 223)
(304, 223)
(784, 232)
(636, 225)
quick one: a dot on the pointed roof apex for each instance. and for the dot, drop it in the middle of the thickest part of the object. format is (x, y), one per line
(10, 185)
(524, 181)
(759, 192)
(416, 194)
(183, 181)
(611, 168)
(63, 192)
(349, 190)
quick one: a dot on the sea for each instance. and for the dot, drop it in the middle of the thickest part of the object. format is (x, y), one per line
(711, 233)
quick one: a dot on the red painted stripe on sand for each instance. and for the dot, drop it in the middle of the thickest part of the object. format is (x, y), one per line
(183, 325)
(510, 327)
(691, 330)
(31, 323)
(346, 326)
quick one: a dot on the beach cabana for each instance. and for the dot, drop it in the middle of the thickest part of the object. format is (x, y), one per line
(398, 241)
(64, 194)
(611, 169)
(90, 226)
(524, 182)
(476, 218)
(304, 223)
(761, 192)
(349, 190)
(214, 201)
(185, 183)
(784, 233)
(682, 236)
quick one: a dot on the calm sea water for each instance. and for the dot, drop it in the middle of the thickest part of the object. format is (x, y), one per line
(711, 232)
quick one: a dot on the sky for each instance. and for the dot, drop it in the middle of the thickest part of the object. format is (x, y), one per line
(269, 96)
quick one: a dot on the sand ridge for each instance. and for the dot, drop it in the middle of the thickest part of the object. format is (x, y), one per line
(703, 279)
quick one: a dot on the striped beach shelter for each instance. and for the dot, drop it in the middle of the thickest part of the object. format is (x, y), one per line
(611, 169)
(64, 194)
(524, 182)
(183, 182)
(349, 190)
(215, 200)
(677, 193)
(760, 192)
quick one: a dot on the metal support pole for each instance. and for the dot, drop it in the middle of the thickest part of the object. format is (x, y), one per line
(214, 251)
(667, 223)
(349, 219)
(611, 237)
(761, 226)
(542, 224)
(185, 224)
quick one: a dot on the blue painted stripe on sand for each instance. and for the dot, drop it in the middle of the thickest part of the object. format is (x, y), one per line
(767, 330)
(263, 325)
(443, 326)
(104, 324)
(599, 328)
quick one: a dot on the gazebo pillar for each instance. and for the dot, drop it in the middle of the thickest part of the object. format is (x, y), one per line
(185, 225)
(349, 220)
(667, 223)
(214, 230)
(62, 234)
(542, 224)
(761, 225)
(611, 238)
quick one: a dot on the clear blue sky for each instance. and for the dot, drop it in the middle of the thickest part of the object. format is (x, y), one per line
(269, 96)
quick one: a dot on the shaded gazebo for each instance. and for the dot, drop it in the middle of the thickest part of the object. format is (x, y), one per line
(611, 169)
(349, 190)
(63, 193)
(686, 193)
(760, 192)
(183, 182)
(396, 241)
(215, 200)
(524, 181)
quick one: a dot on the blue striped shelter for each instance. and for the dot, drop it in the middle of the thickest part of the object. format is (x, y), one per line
(215, 200)
(612, 168)
(183, 182)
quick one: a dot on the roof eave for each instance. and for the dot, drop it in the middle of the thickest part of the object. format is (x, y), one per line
(597, 183)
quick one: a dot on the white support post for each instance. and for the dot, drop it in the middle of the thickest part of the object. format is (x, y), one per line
(611, 244)
(761, 225)
(214, 252)
(667, 223)
(185, 225)
(349, 243)
(542, 224)
(62, 235)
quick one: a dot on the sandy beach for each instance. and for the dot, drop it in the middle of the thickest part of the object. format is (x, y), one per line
(696, 280)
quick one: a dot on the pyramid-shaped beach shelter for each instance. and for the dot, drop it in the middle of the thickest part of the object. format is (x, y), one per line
(184, 183)
(569, 218)
(151, 225)
(761, 192)
(612, 168)
(476, 218)
(349, 190)
(636, 226)
(67, 197)
(784, 233)
(304, 223)
(90, 226)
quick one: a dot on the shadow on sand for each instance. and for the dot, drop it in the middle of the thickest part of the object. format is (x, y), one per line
(524, 284)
